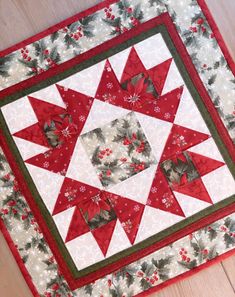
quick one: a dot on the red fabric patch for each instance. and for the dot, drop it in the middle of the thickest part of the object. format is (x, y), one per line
(55, 160)
(137, 97)
(78, 105)
(77, 227)
(164, 107)
(33, 133)
(103, 235)
(129, 212)
(162, 197)
(159, 74)
(72, 193)
(204, 164)
(43, 110)
(114, 95)
(133, 66)
(180, 139)
(194, 189)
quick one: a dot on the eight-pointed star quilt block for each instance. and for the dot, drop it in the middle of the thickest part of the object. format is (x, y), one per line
(118, 153)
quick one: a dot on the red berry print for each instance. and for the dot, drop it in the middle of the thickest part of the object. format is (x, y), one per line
(200, 21)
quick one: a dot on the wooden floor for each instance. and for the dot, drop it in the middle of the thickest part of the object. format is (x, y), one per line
(20, 19)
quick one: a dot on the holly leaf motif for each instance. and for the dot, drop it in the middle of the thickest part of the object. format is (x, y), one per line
(74, 26)
(145, 285)
(5, 65)
(137, 12)
(129, 279)
(131, 148)
(147, 149)
(181, 167)
(212, 79)
(139, 135)
(27, 246)
(25, 258)
(99, 134)
(162, 262)
(42, 246)
(228, 222)
(70, 42)
(126, 124)
(196, 248)
(54, 55)
(118, 138)
(114, 23)
(40, 47)
(144, 266)
(33, 64)
(212, 234)
(95, 160)
(192, 175)
(162, 268)
(212, 252)
(158, 2)
(90, 18)
(188, 265)
(229, 240)
(113, 292)
(88, 289)
(54, 36)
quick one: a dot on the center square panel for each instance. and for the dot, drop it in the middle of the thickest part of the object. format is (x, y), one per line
(118, 150)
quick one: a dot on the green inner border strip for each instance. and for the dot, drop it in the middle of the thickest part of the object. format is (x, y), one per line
(159, 236)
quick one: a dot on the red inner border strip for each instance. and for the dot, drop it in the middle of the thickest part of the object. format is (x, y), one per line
(205, 221)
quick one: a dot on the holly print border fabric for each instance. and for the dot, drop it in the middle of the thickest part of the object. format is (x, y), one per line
(64, 120)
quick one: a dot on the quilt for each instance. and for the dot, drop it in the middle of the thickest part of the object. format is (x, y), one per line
(117, 149)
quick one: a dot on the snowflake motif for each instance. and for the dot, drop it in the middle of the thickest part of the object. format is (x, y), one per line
(127, 226)
(167, 200)
(136, 208)
(109, 98)
(109, 85)
(59, 146)
(179, 140)
(157, 109)
(113, 200)
(153, 190)
(82, 189)
(63, 172)
(132, 99)
(46, 164)
(109, 69)
(47, 155)
(82, 118)
(96, 199)
(178, 96)
(70, 193)
(149, 202)
(167, 115)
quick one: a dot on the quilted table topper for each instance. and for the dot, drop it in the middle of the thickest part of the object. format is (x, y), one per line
(118, 151)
